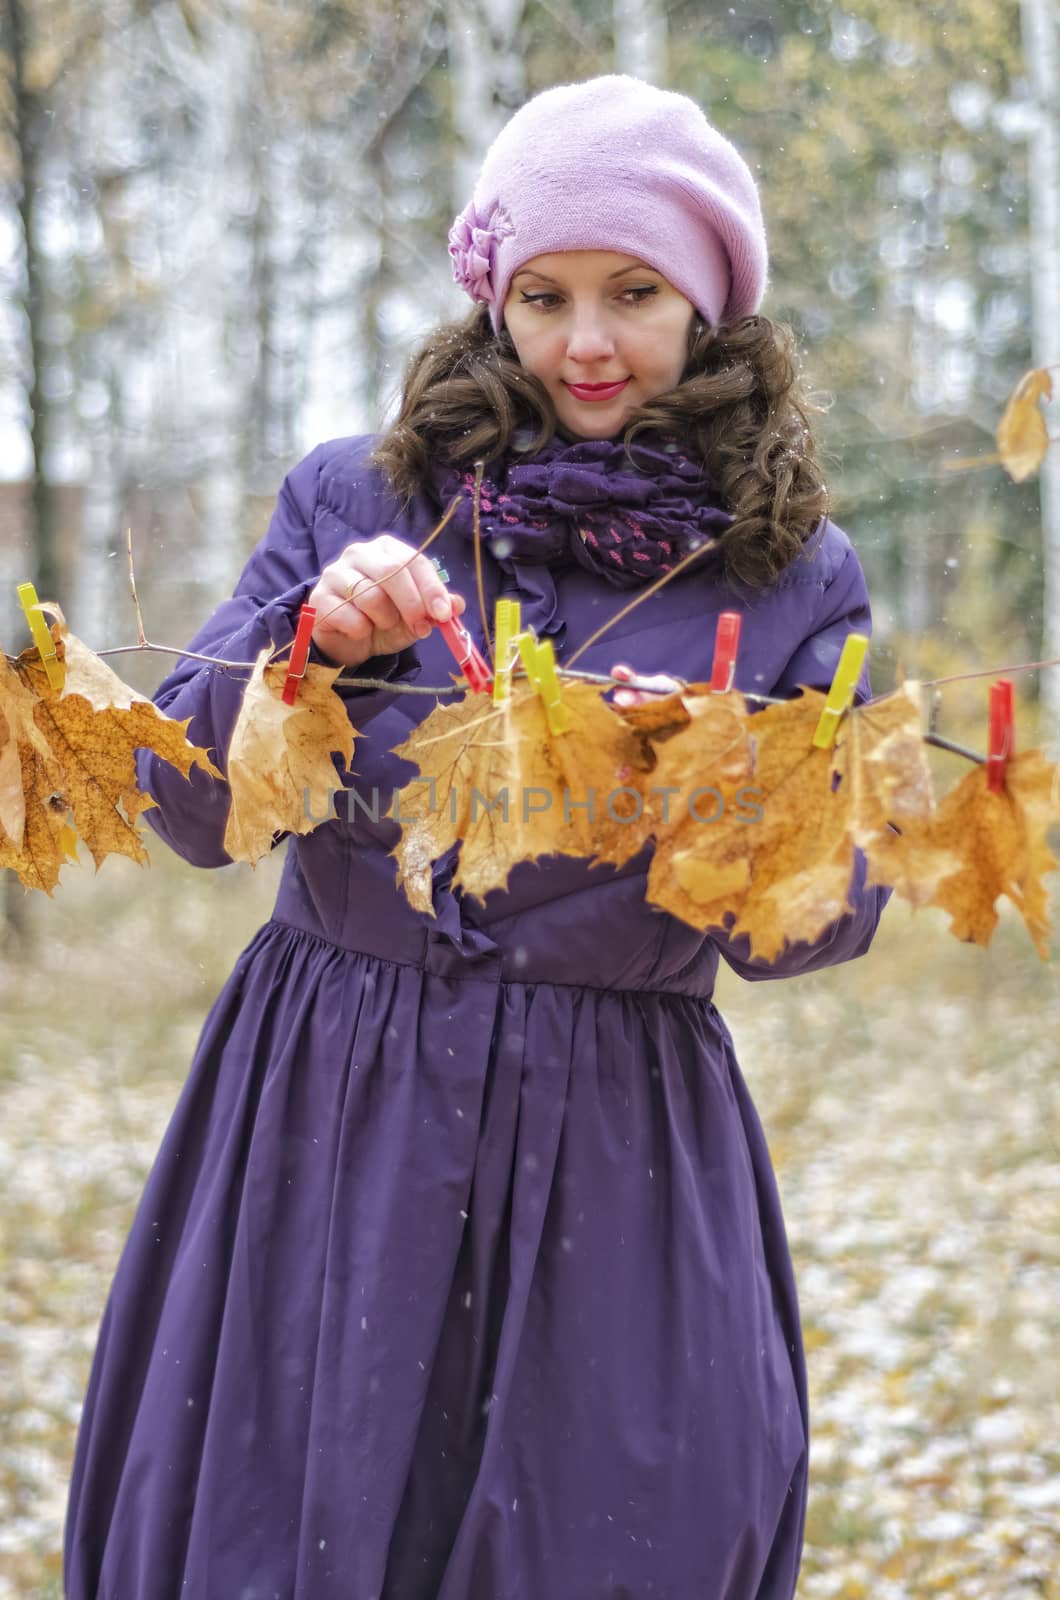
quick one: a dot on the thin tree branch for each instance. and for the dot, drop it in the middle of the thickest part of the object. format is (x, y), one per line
(988, 672)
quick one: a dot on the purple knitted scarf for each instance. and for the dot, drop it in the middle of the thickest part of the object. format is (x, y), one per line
(584, 502)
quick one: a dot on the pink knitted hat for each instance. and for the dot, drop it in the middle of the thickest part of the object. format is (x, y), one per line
(616, 164)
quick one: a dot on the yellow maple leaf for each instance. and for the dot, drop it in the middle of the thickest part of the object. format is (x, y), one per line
(1022, 435)
(33, 804)
(12, 798)
(93, 728)
(495, 777)
(77, 749)
(701, 865)
(881, 757)
(796, 856)
(1000, 842)
(280, 772)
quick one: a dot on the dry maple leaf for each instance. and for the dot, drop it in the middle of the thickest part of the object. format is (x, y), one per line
(33, 805)
(495, 777)
(784, 873)
(12, 797)
(1022, 435)
(701, 866)
(93, 728)
(1000, 841)
(89, 730)
(280, 772)
(883, 762)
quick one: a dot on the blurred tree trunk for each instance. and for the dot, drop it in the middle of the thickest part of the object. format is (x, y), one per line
(488, 81)
(27, 129)
(374, 338)
(640, 39)
(1040, 48)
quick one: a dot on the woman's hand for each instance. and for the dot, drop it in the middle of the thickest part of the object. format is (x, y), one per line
(635, 697)
(374, 601)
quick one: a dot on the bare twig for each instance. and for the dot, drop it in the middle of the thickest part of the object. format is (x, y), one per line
(638, 600)
(989, 672)
(476, 511)
(140, 634)
(948, 744)
(150, 648)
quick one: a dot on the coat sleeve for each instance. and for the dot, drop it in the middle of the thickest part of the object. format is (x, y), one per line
(844, 609)
(191, 813)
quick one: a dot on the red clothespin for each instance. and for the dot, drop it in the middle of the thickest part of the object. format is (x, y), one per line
(299, 654)
(726, 641)
(468, 657)
(1002, 735)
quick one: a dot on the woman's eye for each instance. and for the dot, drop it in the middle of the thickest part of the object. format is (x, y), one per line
(634, 295)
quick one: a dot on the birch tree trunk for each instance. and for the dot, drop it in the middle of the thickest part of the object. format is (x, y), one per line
(1040, 50)
(28, 125)
(228, 99)
(487, 78)
(640, 39)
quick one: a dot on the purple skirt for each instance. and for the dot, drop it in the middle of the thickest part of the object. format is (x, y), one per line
(447, 1289)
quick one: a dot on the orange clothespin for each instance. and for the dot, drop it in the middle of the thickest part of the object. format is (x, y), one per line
(299, 654)
(1002, 735)
(841, 694)
(726, 641)
(27, 598)
(507, 624)
(539, 659)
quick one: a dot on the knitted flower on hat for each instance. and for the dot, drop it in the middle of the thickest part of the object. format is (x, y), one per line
(473, 241)
(616, 164)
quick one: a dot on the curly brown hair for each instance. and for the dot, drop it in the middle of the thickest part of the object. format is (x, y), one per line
(739, 408)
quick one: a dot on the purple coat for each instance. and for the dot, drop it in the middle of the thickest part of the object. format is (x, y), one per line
(461, 1273)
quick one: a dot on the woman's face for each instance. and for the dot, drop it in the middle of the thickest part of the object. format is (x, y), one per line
(601, 331)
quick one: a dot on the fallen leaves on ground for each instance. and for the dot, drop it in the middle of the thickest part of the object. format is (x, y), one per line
(910, 1102)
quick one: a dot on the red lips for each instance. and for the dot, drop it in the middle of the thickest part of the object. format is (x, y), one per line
(597, 391)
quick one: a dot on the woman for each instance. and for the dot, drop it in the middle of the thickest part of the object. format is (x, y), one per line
(461, 1272)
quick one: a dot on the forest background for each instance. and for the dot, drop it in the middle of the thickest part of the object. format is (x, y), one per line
(222, 231)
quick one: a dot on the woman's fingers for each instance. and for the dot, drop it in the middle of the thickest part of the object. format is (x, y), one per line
(635, 697)
(393, 584)
(377, 598)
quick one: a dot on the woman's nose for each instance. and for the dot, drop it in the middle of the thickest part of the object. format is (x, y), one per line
(589, 339)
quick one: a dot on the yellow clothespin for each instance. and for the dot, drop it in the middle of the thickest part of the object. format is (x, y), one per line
(27, 596)
(539, 659)
(507, 623)
(841, 694)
